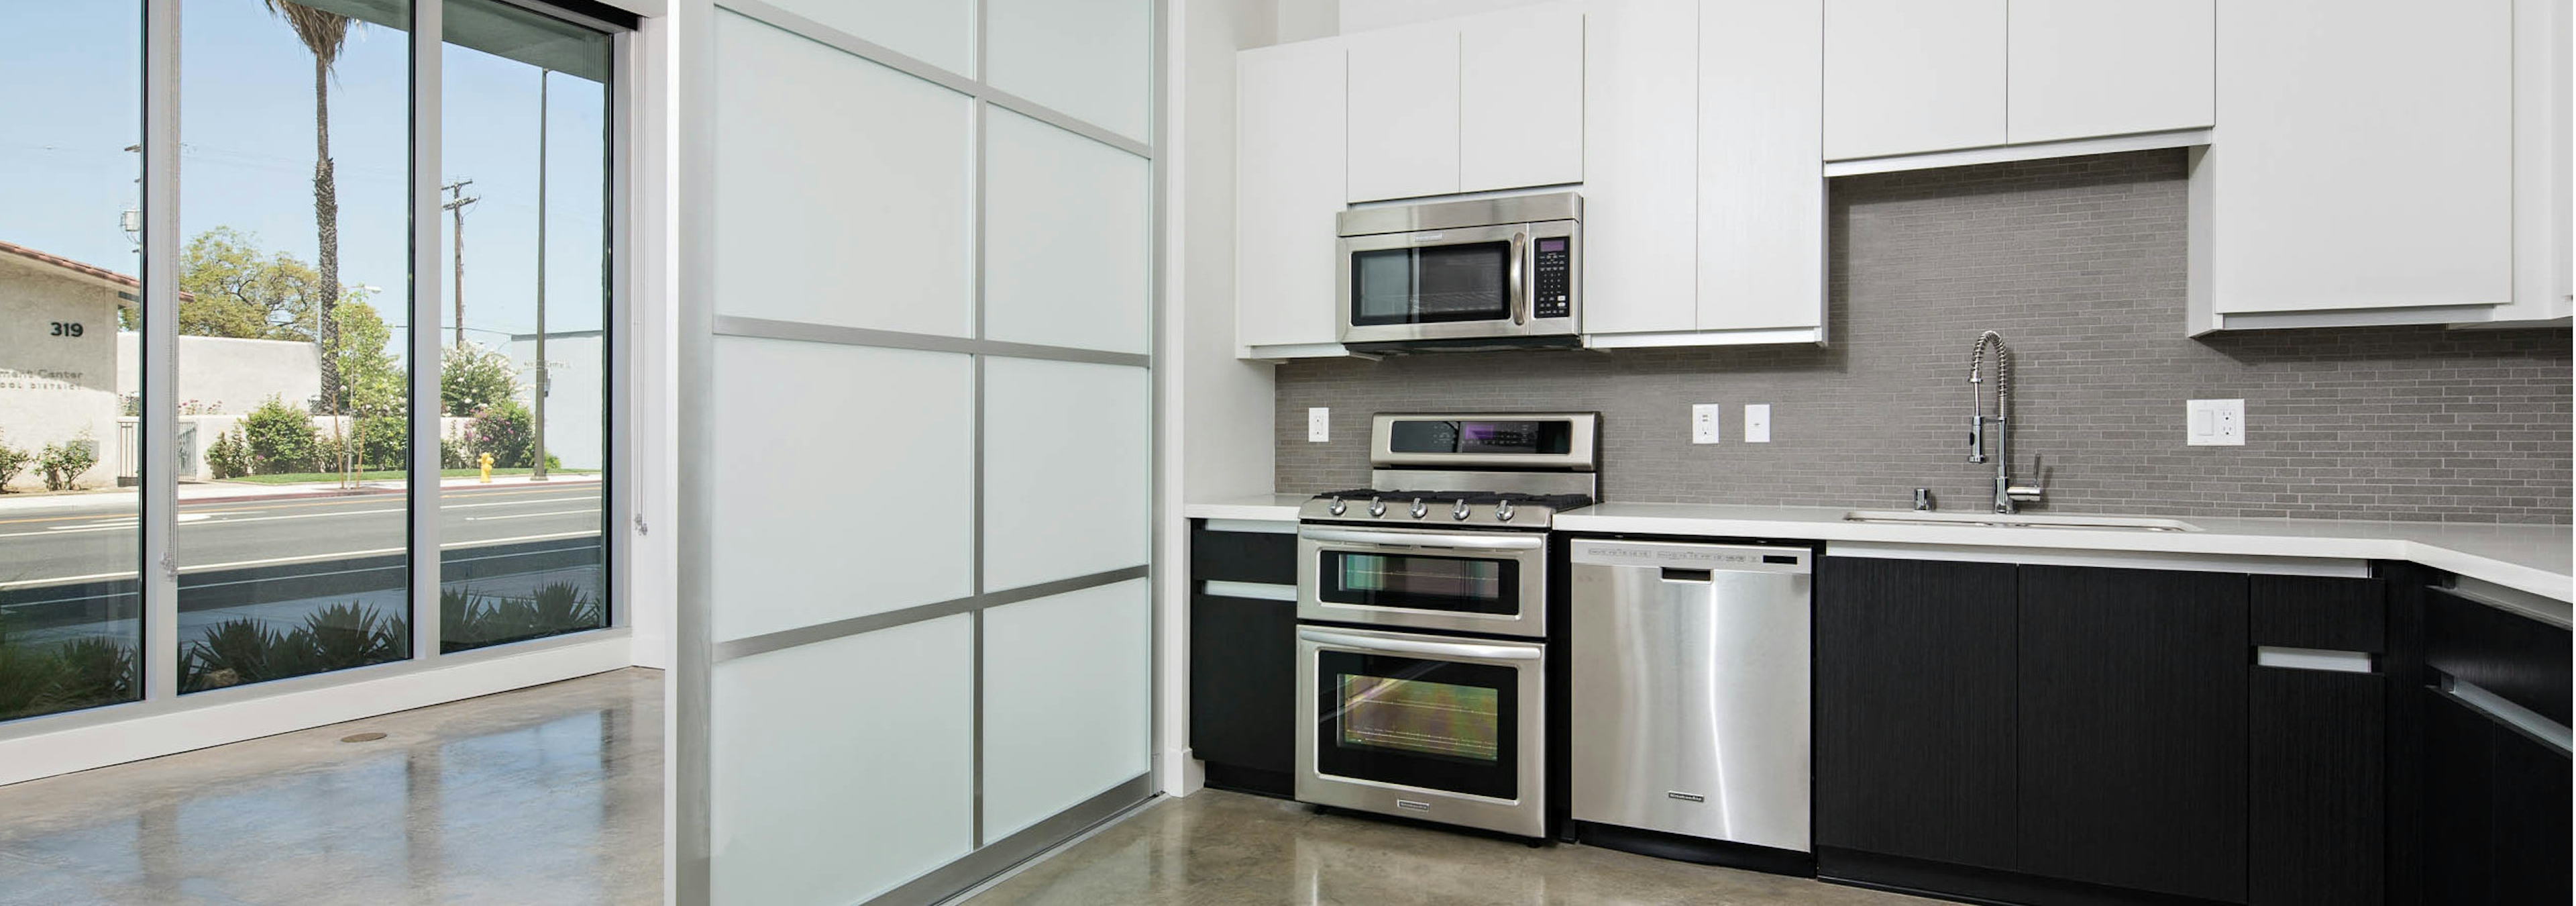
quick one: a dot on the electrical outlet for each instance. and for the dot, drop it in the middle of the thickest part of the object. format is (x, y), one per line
(2215, 423)
(1704, 418)
(1757, 423)
(1319, 425)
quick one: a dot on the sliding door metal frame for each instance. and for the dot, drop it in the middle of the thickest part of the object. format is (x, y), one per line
(428, 37)
(699, 325)
(157, 515)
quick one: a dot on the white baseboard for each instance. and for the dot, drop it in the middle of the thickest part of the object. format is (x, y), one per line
(99, 743)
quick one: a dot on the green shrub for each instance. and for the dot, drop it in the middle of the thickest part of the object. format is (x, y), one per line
(383, 441)
(504, 430)
(63, 464)
(336, 637)
(38, 678)
(472, 379)
(12, 461)
(468, 620)
(229, 455)
(452, 454)
(280, 439)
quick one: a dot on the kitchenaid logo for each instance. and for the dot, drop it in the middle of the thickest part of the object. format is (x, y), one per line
(1658, 555)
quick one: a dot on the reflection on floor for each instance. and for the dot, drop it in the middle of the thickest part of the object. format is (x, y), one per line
(1219, 847)
(544, 795)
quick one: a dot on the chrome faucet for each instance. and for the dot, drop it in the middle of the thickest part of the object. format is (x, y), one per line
(2007, 494)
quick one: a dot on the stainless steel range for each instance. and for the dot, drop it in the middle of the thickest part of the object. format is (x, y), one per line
(1422, 619)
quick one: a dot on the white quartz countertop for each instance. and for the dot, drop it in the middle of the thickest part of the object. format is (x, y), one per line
(2539, 559)
(1258, 507)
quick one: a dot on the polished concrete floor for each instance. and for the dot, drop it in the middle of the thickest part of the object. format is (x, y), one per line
(544, 795)
(1226, 848)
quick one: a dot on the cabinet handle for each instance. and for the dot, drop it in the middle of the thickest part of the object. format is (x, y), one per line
(2312, 659)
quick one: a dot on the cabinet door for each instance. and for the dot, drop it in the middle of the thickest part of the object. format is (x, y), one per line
(1641, 79)
(1243, 684)
(2087, 68)
(1907, 76)
(1914, 709)
(1288, 189)
(2317, 818)
(1761, 179)
(2132, 731)
(1403, 94)
(1520, 98)
(2367, 161)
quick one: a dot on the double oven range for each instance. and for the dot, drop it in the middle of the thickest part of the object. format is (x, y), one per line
(1422, 608)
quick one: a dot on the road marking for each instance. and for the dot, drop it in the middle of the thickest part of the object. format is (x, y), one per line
(65, 580)
(527, 515)
(242, 506)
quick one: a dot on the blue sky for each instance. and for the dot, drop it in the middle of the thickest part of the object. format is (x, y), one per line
(246, 152)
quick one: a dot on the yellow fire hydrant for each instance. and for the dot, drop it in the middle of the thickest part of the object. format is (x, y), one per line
(487, 468)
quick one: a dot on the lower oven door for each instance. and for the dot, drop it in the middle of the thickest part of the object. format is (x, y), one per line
(1424, 727)
(1461, 581)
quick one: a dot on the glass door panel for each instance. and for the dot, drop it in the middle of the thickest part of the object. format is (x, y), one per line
(1468, 282)
(1420, 582)
(1438, 725)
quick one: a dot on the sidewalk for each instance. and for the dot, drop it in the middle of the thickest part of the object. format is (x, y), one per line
(122, 499)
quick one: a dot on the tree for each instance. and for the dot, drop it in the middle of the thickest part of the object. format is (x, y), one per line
(375, 391)
(236, 291)
(472, 379)
(323, 33)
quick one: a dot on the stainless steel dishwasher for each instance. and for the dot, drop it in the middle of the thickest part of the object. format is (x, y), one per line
(1689, 700)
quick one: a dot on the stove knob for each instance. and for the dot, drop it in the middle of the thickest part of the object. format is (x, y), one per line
(1503, 511)
(1377, 507)
(1419, 509)
(1338, 506)
(1460, 512)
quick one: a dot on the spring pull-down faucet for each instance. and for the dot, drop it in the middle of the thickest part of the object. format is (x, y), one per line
(2007, 494)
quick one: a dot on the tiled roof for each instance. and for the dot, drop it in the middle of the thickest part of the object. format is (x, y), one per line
(91, 271)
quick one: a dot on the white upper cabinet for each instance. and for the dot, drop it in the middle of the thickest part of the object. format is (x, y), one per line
(1762, 234)
(1520, 98)
(2363, 166)
(2086, 68)
(2544, 189)
(1910, 76)
(1404, 112)
(1287, 191)
(1470, 104)
(1640, 226)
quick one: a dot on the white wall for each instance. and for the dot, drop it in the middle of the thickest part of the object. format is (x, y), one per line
(1369, 15)
(53, 389)
(228, 375)
(573, 410)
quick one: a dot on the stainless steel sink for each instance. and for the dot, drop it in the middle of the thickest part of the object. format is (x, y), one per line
(2021, 520)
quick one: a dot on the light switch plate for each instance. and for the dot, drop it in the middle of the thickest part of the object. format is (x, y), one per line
(2215, 423)
(1757, 423)
(1319, 425)
(1704, 418)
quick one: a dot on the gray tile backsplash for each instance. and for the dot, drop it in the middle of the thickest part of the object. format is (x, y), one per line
(2079, 264)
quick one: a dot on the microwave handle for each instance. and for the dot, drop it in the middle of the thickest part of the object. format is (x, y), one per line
(1412, 646)
(1519, 293)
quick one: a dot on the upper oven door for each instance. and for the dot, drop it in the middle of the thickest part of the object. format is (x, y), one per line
(1488, 582)
(1461, 283)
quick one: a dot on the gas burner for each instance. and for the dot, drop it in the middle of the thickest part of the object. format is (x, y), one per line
(1498, 472)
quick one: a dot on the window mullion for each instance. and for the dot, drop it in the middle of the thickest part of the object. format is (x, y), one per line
(157, 571)
(428, 28)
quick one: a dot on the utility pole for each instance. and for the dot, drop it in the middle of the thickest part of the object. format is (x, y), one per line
(456, 203)
(537, 420)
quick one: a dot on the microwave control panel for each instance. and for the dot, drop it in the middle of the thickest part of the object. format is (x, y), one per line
(1555, 277)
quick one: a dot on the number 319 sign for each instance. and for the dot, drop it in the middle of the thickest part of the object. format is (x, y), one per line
(67, 328)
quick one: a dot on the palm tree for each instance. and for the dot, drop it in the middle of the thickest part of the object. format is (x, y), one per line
(323, 33)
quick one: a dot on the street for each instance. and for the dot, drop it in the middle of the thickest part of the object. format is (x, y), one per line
(97, 541)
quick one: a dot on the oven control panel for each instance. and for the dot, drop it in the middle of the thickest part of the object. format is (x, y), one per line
(1553, 279)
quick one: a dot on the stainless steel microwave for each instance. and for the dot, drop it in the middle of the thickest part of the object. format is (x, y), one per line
(1481, 274)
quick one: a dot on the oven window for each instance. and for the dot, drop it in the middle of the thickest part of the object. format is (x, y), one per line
(1422, 717)
(1418, 722)
(1467, 282)
(1457, 584)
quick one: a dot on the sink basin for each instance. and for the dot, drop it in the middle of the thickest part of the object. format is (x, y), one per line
(2021, 520)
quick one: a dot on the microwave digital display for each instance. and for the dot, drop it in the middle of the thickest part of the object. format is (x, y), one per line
(1507, 437)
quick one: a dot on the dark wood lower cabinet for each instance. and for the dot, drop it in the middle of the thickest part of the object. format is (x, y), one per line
(2316, 814)
(2133, 729)
(2496, 825)
(1914, 709)
(1243, 690)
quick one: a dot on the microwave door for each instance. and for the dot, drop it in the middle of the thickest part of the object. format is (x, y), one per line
(1433, 285)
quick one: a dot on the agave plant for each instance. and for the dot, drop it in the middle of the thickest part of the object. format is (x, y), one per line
(91, 671)
(350, 635)
(24, 674)
(233, 652)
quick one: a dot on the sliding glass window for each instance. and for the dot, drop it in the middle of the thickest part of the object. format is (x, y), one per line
(71, 629)
(523, 383)
(294, 378)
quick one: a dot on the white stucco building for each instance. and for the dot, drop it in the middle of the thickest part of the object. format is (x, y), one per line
(578, 403)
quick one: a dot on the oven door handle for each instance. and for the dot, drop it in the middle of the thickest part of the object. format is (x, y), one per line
(1410, 646)
(1528, 542)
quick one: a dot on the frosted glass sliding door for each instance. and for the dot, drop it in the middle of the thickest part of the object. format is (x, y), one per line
(917, 418)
